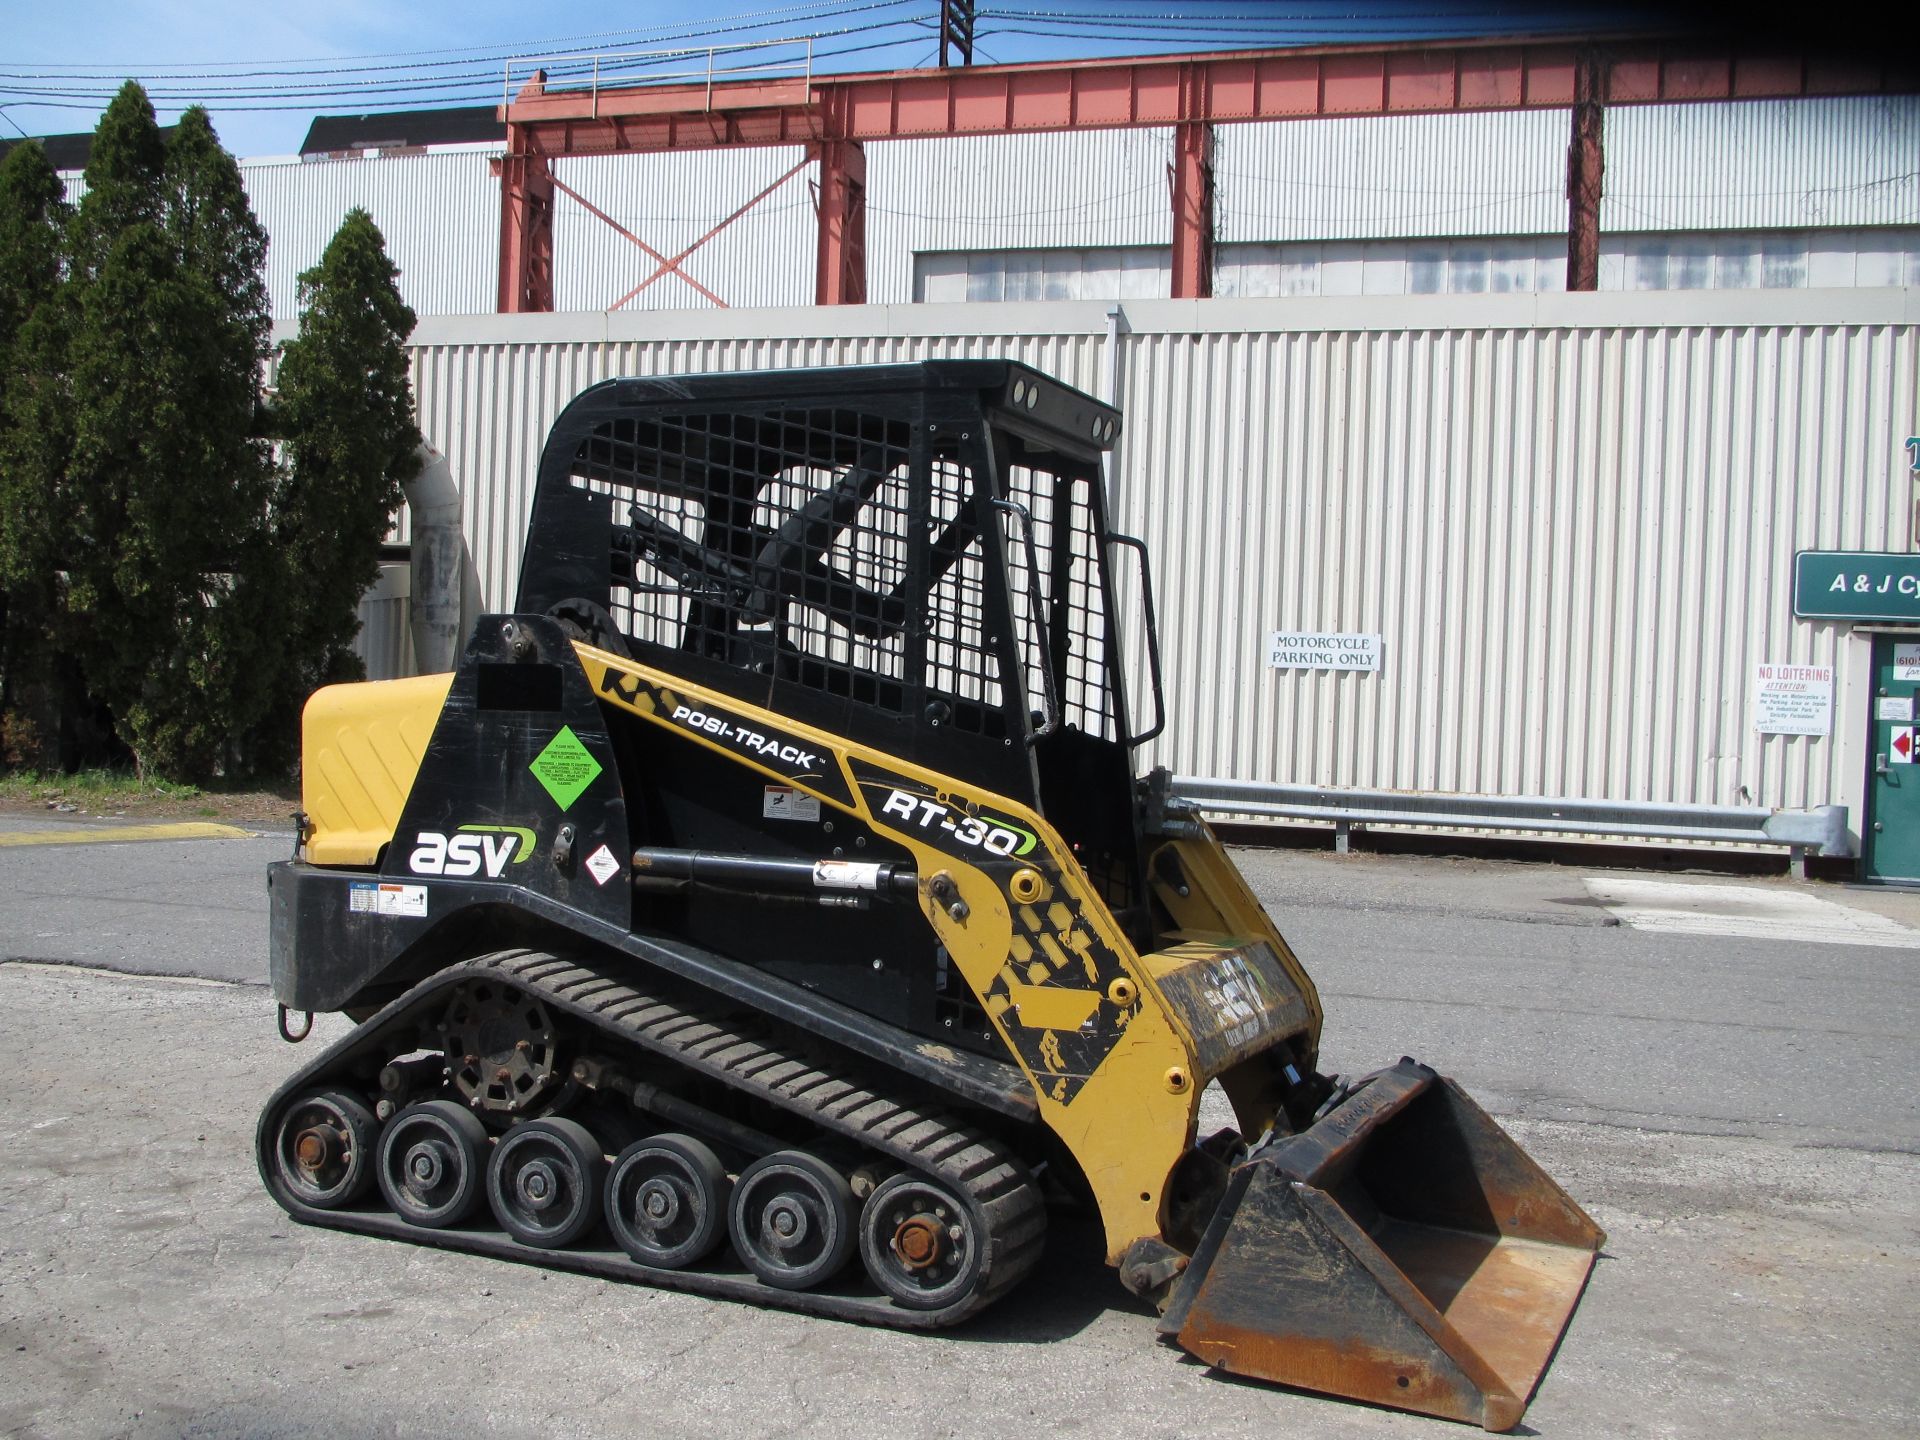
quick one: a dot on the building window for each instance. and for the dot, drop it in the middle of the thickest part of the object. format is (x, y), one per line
(1728, 260)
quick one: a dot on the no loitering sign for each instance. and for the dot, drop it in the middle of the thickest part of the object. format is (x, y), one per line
(1793, 699)
(1320, 650)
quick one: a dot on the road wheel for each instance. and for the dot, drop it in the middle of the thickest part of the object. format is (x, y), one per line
(544, 1182)
(792, 1220)
(667, 1201)
(433, 1164)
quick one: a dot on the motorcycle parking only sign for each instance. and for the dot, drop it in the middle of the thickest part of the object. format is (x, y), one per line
(1316, 650)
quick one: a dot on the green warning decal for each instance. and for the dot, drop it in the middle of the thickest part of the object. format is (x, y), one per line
(565, 768)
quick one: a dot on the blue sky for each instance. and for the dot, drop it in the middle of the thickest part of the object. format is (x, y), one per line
(265, 71)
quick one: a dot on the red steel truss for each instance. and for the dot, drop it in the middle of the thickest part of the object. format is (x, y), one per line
(834, 115)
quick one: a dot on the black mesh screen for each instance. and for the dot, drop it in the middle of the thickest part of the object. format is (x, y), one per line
(959, 666)
(803, 543)
(835, 556)
(818, 546)
(1058, 599)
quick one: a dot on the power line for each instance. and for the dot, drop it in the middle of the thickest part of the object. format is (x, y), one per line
(334, 101)
(342, 64)
(464, 69)
(467, 84)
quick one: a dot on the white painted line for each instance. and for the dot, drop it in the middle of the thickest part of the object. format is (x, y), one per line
(1758, 912)
(61, 967)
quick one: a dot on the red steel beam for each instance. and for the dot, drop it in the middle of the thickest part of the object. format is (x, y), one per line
(840, 269)
(833, 114)
(1586, 167)
(526, 228)
(666, 265)
(1192, 183)
(1109, 94)
(672, 263)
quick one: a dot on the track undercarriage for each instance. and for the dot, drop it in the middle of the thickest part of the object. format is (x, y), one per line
(537, 1108)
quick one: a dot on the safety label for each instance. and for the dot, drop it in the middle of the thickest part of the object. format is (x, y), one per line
(565, 768)
(784, 802)
(602, 865)
(846, 875)
(370, 899)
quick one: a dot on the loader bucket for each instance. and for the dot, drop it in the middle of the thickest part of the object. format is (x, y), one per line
(1403, 1250)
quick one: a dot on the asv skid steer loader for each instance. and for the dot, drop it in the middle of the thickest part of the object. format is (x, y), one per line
(769, 897)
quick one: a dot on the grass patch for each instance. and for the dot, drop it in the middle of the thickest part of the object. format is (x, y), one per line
(93, 788)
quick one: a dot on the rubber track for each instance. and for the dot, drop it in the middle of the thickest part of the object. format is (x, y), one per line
(747, 1059)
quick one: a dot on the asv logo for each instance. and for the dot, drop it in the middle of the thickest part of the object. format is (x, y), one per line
(492, 847)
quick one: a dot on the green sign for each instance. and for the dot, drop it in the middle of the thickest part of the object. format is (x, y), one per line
(565, 768)
(1856, 585)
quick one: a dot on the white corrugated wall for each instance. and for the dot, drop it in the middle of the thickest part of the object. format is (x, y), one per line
(439, 214)
(1085, 188)
(1571, 517)
(1763, 164)
(384, 641)
(765, 257)
(1843, 162)
(1575, 538)
(1392, 177)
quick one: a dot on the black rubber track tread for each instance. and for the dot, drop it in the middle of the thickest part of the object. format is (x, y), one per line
(744, 1056)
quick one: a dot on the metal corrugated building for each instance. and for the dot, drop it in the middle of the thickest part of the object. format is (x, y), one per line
(1747, 193)
(1753, 164)
(1393, 177)
(439, 213)
(1079, 189)
(1571, 517)
(1763, 164)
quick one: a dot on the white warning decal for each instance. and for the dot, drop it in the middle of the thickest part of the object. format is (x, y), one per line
(785, 802)
(602, 865)
(846, 875)
(401, 900)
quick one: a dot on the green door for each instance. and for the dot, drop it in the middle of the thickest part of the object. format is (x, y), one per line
(1890, 838)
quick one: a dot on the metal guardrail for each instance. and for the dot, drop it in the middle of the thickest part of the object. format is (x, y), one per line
(1821, 831)
(593, 70)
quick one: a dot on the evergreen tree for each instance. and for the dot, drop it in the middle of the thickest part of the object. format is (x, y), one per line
(125, 166)
(166, 484)
(194, 590)
(33, 219)
(345, 410)
(33, 212)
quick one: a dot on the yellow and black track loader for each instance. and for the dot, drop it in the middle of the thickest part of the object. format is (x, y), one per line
(768, 907)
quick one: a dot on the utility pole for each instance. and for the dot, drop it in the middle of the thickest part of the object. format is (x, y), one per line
(956, 31)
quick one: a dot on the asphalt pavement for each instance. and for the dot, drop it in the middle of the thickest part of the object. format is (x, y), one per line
(145, 907)
(1736, 1109)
